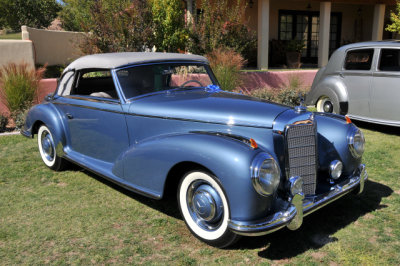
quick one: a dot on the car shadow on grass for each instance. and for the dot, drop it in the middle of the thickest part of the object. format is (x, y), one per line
(316, 231)
(391, 130)
(317, 228)
(168, 206)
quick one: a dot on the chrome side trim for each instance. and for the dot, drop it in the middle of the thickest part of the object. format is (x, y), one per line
(164, 117)
(226, 135)
(310, 204)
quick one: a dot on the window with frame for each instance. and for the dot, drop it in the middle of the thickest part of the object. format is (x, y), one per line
(359, 59)
(140, 80)
(389, 60)
(94, 83)
(304, 25)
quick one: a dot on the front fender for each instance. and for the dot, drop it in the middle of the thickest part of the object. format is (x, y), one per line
(47, 114)
(148, 163)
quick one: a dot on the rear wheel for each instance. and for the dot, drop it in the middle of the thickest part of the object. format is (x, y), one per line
(47, 149)
(205, 209)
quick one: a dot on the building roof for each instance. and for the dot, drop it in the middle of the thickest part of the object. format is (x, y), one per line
(115, 60)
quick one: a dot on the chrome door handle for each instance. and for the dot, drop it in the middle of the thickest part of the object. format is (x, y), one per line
(69, 116)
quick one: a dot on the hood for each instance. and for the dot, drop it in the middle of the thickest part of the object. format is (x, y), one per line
(199, 105)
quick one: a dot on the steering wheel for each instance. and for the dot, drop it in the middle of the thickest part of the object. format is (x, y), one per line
(190, 81)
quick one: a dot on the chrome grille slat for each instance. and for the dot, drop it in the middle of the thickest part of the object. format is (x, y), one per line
(301, 154)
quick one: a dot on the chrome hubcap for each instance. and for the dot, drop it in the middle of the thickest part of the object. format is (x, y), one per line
(328, 107)
(205, 205)
(47, 146)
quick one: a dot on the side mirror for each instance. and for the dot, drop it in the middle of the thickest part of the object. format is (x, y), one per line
(49, 97)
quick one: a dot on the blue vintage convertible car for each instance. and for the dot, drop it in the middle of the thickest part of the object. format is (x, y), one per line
(158, 122)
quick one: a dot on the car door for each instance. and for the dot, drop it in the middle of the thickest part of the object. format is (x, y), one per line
(386, 86)
(357, 75)
(96, 123)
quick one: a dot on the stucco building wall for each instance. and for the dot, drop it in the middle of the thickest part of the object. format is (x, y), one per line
(16, 51)
(54, 47)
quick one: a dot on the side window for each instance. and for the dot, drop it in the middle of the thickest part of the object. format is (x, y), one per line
(389, 60)
(95, 83)
(359, 59)
(64, 88)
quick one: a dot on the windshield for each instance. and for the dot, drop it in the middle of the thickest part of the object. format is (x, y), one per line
(139, 80)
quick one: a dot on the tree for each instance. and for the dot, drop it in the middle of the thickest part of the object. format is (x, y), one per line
(222, 25)
(118, 26)
(33, 13)
(75, 14)
(170, 32)
(395, 18)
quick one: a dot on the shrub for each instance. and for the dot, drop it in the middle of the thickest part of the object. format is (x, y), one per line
(287, 96)
(19, 85)
(290, 96)
(19, 118)
(265, 94)
(226, 65)
(3, 123)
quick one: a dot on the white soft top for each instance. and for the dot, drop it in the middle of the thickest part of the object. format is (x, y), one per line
(116, 60)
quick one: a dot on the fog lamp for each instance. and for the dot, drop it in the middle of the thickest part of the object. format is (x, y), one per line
(335, 169)
(296, 185)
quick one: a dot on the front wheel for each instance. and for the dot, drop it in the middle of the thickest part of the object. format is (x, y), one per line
(326, 105)
(205, 209)
(47, 149)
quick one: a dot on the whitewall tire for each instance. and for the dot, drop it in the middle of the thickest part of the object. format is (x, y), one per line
(326, 105)
(205, 209)
(47, 149)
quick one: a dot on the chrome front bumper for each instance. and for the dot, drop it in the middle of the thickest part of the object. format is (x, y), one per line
(299, 206)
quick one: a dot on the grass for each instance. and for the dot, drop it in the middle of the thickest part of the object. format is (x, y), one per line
(74, 217)
(11, 36)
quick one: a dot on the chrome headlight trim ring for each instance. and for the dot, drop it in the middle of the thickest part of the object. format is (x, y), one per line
(355, 141)
(265, 186)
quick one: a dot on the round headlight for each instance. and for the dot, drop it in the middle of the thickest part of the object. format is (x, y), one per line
(265, 174)
(356, 142)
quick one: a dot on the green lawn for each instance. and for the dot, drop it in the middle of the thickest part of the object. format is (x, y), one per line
(11, 36)
(74, 217)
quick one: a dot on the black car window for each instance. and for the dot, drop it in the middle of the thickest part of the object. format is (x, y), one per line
(389, 60)
(359, 59)
(95, 83)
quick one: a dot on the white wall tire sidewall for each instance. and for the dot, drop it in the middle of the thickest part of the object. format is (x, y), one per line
(44, 159)
(320, 104)
(207, 235)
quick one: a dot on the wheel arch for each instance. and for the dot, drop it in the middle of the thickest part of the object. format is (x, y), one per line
(176, 173)
(47, 114)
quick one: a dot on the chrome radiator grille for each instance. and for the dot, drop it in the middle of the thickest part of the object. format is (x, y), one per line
(302, 154)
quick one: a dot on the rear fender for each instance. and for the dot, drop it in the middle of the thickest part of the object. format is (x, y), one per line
(331, 86)
(147, 165)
